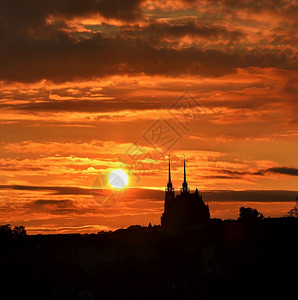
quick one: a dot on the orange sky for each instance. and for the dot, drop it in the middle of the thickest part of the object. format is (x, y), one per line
(86, 87)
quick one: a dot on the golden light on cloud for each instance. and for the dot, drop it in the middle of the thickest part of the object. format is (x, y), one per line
(67, 132)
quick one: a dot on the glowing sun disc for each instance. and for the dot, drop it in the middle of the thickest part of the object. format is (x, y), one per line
(118, 179)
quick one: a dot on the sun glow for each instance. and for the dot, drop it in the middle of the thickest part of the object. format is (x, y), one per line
(118, 179)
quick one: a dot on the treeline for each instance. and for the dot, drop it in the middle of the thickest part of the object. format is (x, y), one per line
(7, 232)
(246, 215)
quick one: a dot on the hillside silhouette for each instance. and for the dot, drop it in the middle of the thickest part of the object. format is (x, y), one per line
(249, 258)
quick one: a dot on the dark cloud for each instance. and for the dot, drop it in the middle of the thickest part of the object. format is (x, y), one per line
(56, 207)
(263, 172)
(101, 56)
(12, 168)
(56, 190)
(58, 203)
(284, 170)
(157, 31)
(33, 12)
(88, 105)
(34, 48)
(119, 9)
(253, 5)
(234, 173)
(135, 194)
(220, 177)
(250, 196)
(250, 5)
(33, 35)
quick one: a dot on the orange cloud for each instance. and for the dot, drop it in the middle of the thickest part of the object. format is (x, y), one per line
(89, 82)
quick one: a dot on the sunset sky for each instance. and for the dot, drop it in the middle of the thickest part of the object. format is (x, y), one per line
(90, 86)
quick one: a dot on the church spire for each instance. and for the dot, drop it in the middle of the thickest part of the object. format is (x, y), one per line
(170, 169)
(184, 171)
(170, 185)
(184, 184)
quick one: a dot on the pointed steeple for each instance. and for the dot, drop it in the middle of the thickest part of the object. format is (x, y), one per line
(169, 185)
(184, 184)
(169, 168)
(197, 191)
(184, 171)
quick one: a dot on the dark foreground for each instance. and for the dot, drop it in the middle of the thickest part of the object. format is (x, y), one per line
(224, 260)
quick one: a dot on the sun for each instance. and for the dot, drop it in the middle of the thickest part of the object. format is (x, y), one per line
(118, 179)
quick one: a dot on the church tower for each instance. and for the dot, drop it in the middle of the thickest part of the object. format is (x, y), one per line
(170, 191)
(170, 185)
(184, 211)
(184, 188)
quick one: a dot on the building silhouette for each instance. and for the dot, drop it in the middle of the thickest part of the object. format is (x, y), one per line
(186, 210)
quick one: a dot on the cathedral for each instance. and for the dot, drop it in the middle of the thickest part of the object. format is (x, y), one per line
(185, 210)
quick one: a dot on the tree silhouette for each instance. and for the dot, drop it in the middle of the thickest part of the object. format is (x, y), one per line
(6, 232)
(294, 211)
(19, 231)
(248, 215)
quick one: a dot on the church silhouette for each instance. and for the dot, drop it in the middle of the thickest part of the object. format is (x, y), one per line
(184, 211)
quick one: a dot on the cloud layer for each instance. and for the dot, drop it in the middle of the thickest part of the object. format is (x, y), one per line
(90, 86)
(54, 42)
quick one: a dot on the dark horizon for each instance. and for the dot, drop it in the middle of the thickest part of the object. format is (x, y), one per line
(217, 260)
(223, 204)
